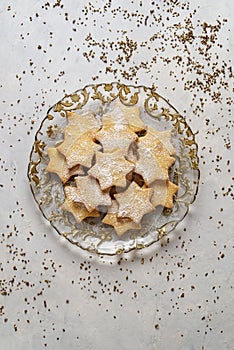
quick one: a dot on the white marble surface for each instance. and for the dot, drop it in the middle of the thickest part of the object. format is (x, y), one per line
(177, 296)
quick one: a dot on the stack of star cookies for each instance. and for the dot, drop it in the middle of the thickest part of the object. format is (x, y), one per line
(113, 167)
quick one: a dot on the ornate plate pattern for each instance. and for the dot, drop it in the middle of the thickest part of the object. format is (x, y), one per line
(93, 235)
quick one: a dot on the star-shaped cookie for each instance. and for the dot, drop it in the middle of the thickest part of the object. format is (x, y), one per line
(77, 125)
(151, 143)
(121, 225)
(78, 210)
(111, 169)
(115, 137)
(82, 151)
(149, 167)
(165, 138)
(72, 194)
(163, 193)
(58, 165)
(134, 203)
(90, 193)
(128, 115)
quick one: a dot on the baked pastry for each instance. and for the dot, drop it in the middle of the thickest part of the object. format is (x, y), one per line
(111, 169)
(114, 167)
(58, 165)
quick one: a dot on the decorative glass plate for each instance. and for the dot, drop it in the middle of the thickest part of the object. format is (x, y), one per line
(91, 234)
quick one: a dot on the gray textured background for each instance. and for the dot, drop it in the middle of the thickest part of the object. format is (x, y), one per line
(178, 295)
